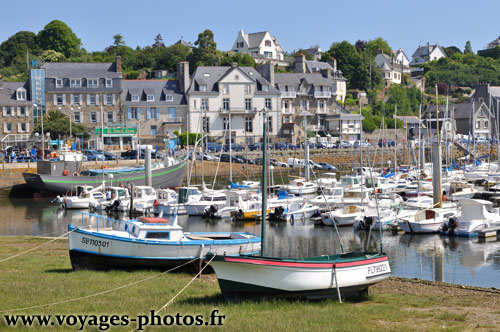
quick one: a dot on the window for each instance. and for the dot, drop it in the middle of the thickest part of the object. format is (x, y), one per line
(150, 98)
(59, 83)
(75, 83)
(93, 99)
(321, 104)
(286, 104)
(248, 104)
(304, 89)
(269, 123)
(203, 87)
(110, 117)
(321, 120)
(287, 119)
(133, 113)
(206, 124)
(21, 95)
(93, 117)
(109, 83)
(248, 89)
(268, 104)
(249, 124)
(8, 127)
(225, 123)
(154, 113)
(77, 117)
(225, 89)
(225, 104)
(135, 97)
(109, 99)
(478, 124)
(23, 127)
(304, 104)
(485, 124)
(21, 111)
(204, 104)
(153, 130)
(169, 98)
(76, 99)
(265, 87)
(171, 112)
(92, 83)
(239, 45)
(59, 100)
(7, 111)
(268, 43)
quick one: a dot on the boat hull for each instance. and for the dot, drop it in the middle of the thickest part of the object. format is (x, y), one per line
(259, 277)
(420, 228)
(167, 177)
(102, 251)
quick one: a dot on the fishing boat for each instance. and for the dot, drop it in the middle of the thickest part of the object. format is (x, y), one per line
(63, 176)
(148, 243)
(337, 275)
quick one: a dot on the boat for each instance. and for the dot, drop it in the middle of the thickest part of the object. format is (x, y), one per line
(86, 198)
(295, 211)
(344, 216)
(148, 243)
(475, 215)
(209, 198)
(337, 275)
(302, 187)
(426, 221)
(56, 177)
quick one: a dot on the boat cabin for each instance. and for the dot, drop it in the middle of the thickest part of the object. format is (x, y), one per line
(144, 192)
(118, 192)
(153, 228)
(349, 181)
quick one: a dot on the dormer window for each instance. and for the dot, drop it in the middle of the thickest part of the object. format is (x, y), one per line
(150, 97)
(74, 83)
(169, 98)
(59, 83)
(265, 87)
(109, 83)
(92, 83)
(239, 45)
(203, 87)
(135, 97)
(21, 94)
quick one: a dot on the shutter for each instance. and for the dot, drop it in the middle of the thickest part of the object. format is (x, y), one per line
(88, 99)
(27, 127)
(4, 127)
(64, 99)
(104, 99)
(114, 116)
(157, 114)
(129, 111)
(55, 99)
(97, 99)
(138, 113)
(81, 100)
(114, 99)
(15, 111)
(4, 111)
(27, 111)
(71, 99)
(18, 127)
(148, 113)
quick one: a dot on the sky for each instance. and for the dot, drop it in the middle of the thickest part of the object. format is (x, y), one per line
(296, 24)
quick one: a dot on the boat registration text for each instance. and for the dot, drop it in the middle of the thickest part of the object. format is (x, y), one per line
(378, 269)
(97, 243)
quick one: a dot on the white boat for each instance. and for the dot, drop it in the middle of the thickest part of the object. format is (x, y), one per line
(383, 219)
(116, 194)
(344, 216)
(329, 199)
(301, 187)
(475, 215)
(300, 211)
(328, 180)
(426, 221)
(210, 197)
(86, 198)
(149, 243)
(184, 195)
(350, 182)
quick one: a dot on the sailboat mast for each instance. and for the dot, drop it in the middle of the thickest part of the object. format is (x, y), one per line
(395, 137)
(264, 183)
(436, 162)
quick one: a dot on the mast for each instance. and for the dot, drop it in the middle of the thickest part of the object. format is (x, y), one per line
(264, 183)
(230, 153)
(436, 162)
(395, 137)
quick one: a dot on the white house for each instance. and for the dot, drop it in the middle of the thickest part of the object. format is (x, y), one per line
(392, 66)
(427, 53)
(227, 102)
(261, 46)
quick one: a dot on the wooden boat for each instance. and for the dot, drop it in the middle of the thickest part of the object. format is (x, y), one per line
(149, 243)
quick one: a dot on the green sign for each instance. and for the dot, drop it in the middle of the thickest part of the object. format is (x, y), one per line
(117, 131)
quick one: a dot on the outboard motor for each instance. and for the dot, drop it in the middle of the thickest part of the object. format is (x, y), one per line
(209, 211)
(366, 223)
(278, 213)
(113, 206)
(450, 226)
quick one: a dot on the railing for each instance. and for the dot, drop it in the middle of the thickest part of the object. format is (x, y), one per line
(288, 110)
(322, 94)
(288, 94)
(174, 120)
(11, 138)
(102, 219)
(238, 110)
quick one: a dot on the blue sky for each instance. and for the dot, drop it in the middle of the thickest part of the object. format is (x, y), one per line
(296, 24)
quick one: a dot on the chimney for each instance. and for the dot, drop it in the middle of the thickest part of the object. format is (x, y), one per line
(267, 71)
(300, 63)
(234, 65)
(118, 62)
(183, 75)
(326, 73)
(332, 62)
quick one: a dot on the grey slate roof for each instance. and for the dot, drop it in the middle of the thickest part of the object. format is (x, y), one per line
(184, 43)
(423, 51)
(314, 66)
(80, 70)
(408, 119)
(254, 39)
(160, 88)
(297, 78)
(217, 73)
(8, 94)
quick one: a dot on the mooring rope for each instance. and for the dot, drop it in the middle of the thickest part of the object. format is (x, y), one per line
(99, 293)
(182, 290)
(27, 251)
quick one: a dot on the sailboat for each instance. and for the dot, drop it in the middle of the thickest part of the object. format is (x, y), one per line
(336, 275)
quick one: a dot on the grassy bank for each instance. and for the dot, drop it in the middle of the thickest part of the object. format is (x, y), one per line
(44, 276)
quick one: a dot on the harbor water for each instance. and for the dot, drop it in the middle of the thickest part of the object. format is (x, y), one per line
(474, 262)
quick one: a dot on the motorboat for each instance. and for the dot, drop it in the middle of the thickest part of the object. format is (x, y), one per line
(301, 187)
(344, 216)
(429, 220)
(86, 197)
(208, 198)
(475, 215)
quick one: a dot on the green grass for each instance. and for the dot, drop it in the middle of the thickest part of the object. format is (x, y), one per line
(45, 276)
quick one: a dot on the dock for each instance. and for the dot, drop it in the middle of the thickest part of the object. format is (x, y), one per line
(490, 232)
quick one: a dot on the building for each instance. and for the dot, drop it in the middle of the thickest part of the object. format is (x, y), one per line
(89, 93)
(315, 52)
(493, 44)
(17, 113)
(261, 46)
(427, 53)
(490, 95)
(392, 66)
(446, 125)
(226, 102)
(411, 124)
(156, 108)
(478, 124)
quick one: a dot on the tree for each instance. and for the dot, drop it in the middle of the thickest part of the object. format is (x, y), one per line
(52, 56)
(158, 42)
(372, 47)
(304, 52)
(206, 52)
(468, 48)
(118, 40)
(451, 50)
(57, 124)
(57, 36)
(17, 45)
(351, 63)
(169, 57)
(243, 60)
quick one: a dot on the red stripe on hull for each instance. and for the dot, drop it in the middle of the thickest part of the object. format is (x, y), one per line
(302, 264)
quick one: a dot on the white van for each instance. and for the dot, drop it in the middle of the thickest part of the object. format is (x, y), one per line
(294, 162)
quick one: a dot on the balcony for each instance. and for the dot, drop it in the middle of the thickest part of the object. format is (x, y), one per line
(288, 94)
(288, 110)
(238, 110)
(322, 94)
(323, 110)
(173, 120)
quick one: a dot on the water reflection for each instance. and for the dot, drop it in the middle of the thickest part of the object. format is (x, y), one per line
(431, 257)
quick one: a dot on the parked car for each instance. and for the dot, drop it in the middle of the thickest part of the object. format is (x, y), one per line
(107, 155)
(295, 162)
(93, 155)
(386, 142)
(345, 144)
(314, 165)
(226, 157)
(481, 140)
(280, 146)
(320, 145)
(250, 161)
(132, 154)
(363, 144)
(327, 167)
(213, 147)
(234, 147)
(277, 163)
(204, 156)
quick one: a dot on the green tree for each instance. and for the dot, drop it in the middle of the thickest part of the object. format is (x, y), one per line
(206, 52)
(118, 40)
(372, 47)
(52, 56)
(243, 60)
(57, 124)
(468, 48)
(158, 42)
(17, 45)
(351, 63)
(451, 50)
(57, 36)
(169, 57)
